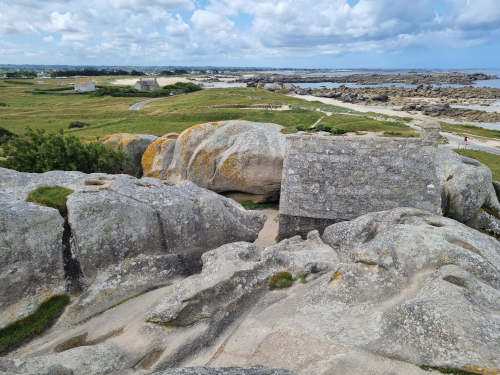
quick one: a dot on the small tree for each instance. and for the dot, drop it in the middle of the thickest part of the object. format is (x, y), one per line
(39, 151)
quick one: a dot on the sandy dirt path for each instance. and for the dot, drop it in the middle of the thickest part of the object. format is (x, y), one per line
(268, 234)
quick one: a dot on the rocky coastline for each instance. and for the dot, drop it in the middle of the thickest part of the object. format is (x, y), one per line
(374, 79)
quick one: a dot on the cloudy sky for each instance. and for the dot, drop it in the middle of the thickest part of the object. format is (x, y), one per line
(279, 33)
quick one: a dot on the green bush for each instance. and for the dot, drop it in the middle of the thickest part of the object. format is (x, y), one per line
(51, 196)
(39, 151)
(6, 135)
(78, 124)
(281, 280)
(2, 104)
(321, 128)
(34, 324)
(175, 89)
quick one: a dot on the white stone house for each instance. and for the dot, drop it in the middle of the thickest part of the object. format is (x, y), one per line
(84, 84)
(147, 84)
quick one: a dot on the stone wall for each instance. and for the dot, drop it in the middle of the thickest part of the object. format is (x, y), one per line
(330, 179)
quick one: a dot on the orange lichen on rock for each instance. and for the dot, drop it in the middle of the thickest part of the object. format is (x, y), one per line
(482, 370)
(153, 158)
(120, 141)
(337, 275)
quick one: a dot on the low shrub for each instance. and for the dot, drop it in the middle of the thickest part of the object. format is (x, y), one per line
(322, 128)
(6, 135)
(51, 196)
(19, 332)
(38, 151)
(175, 89)
(250, 205)
(78, 124)
(281, 280)
(2, 104)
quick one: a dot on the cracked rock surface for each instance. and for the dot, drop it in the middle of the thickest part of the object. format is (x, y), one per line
(381, 294)
(128, 235)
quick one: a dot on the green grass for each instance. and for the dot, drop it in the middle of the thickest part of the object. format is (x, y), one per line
(108, 115)
(51, 196)
(491, 160)
(444, 370)
(21, 331)
(281, 280)
(470, 130)
(354, 123)
(249, 205)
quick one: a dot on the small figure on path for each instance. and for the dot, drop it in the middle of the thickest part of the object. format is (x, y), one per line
(466, 139)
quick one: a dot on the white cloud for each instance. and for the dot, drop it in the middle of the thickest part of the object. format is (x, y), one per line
(167, 31)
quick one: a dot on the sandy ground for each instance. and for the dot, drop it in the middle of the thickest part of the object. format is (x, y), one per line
(268, 234)
(162, 81)
(489, 145)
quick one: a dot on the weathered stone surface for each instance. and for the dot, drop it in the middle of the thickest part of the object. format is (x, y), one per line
(486, 223)
(230, 156)
(84, 360)
(127, 235)
(133, 145)
(340, 178)
(467, 185)
(31, 263)
(257, 370)
(131, 217)
(385, 292)
(158, 156)
(127, 278)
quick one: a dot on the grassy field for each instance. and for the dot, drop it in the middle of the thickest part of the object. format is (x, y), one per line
(491, 160)
(107, 115)
(470, 130)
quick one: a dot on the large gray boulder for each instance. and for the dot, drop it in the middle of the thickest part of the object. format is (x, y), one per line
(232, 155)
(127, 235)
(466, 185)
(133, 145)
(31, 257)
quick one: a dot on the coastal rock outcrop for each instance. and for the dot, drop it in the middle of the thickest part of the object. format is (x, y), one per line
(31, 257)
(230, 156)
(158, 156)
(134, 145)
(466, 185)
(384, 293)
(126, 235)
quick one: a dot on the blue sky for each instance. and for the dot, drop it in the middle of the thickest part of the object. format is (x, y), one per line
(274, 33)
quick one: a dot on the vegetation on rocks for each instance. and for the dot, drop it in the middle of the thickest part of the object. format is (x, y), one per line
(51, 196)
(250, 205)
(281, 280)
(34, 324)
(39, 151)
(444, 370)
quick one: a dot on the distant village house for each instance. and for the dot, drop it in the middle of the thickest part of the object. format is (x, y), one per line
(147, 84)
(84, 84)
